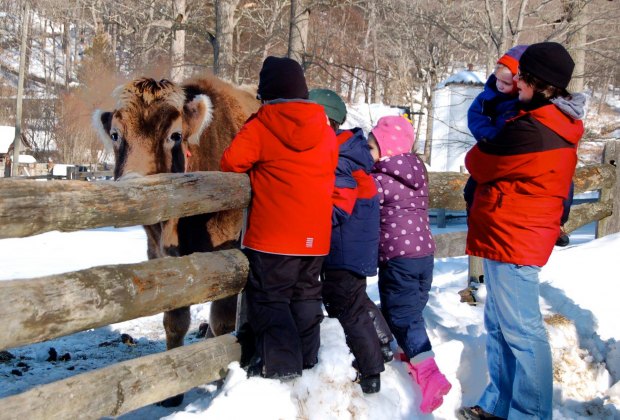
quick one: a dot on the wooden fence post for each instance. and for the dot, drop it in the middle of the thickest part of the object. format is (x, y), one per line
(611, 224)
(474, 278)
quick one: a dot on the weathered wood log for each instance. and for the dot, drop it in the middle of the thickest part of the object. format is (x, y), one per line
(582, 214)
(29, 207)
(446, 190)
(126, 386)
(611, 224)
(595, 177)
(47, 307)
(450, 244)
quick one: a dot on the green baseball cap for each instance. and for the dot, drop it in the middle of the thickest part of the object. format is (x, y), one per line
(334, 105)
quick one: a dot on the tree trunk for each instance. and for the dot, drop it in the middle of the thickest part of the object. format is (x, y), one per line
(177, 50)
(224, 30)
(23, 66)
(428, 144)
(298, 31)
(66, 47)
(576, 41)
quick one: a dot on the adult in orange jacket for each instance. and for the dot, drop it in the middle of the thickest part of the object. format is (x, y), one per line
(290, 153)
(523, 176)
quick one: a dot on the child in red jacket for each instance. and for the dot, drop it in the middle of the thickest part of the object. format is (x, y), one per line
(290, 153)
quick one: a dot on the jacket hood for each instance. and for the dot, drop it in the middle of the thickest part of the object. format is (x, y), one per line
(574, 106)
(404, 168)
(298, 124)
(560, 123)
(354, 146)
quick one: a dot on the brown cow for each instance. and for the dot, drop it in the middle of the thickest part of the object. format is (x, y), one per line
(161, 127)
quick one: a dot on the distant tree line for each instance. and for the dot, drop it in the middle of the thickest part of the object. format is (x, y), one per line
(390, 51)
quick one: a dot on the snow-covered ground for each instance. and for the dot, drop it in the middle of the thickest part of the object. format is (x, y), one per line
(580, 282)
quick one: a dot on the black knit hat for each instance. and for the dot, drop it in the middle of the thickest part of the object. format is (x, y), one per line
(281, 78)
(549, 62)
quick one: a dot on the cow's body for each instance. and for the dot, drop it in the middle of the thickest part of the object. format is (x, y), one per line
(160, 127)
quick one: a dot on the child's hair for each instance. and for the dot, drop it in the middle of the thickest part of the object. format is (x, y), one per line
(394, 134)
(542, 88)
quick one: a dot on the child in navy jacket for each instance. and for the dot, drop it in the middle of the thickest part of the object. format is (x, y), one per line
(354, 246)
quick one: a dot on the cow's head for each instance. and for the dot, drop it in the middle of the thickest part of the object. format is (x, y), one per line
(152, 126)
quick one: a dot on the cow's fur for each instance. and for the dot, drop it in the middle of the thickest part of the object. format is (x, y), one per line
(161, 127)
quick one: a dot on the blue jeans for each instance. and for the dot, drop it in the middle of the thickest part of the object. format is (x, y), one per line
(518, 351)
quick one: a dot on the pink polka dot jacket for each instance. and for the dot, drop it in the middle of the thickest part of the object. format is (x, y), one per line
(402, 184)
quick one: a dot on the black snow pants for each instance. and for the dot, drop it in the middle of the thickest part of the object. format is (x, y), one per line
(284, 310)
(344, 296)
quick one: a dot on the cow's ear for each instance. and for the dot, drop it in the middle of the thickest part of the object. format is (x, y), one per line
(102, 122)
(197, 115)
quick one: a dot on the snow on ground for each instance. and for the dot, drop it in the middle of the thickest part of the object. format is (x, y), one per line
(579, 282)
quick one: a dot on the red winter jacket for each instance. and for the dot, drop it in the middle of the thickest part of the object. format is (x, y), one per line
(522, 176)
(290, 154)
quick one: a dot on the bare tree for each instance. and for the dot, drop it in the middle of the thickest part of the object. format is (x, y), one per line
(224, 28)
(298, 32)
(177, 50)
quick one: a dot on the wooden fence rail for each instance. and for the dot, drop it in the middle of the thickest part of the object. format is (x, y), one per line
(125, 386)
(446, 190)
(40, 309)
(29, 207)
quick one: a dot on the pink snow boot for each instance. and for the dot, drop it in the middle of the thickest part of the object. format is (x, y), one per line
(433, 384)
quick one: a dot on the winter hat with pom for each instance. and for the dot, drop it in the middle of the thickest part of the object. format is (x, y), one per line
(281, 78)
(394, 135)
(511, 58)
(334, 105)
(549, 62)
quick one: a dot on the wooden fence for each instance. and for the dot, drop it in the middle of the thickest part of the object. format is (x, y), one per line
(43, 308)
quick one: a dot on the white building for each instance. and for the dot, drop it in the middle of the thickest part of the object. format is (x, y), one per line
(7, 136)
(451, 137)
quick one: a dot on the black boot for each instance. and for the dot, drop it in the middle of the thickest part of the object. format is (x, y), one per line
(563, 239)
(370, 383)
(175, 401)
(475, 413)
(387, 353)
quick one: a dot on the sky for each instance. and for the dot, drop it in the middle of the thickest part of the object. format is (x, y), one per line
(580, 283)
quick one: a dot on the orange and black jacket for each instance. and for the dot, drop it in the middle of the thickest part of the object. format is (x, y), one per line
(290, 153)
(523, 176)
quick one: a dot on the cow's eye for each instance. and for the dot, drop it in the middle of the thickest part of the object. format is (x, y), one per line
(114, 135)
(176, 137)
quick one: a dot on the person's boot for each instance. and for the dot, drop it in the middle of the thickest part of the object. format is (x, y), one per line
(387, 353)
(433, 384)
(475, 413)
(563, 239)
(370, 383)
